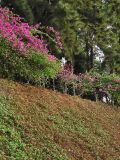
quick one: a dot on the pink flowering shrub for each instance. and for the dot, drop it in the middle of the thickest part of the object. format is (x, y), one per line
(87, 83)
(24, 56)
(51, 57)
(18, 33)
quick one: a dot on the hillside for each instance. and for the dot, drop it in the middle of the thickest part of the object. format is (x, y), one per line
(40, 124)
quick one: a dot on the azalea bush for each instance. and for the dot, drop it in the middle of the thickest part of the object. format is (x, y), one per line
(110, 83)
(86, 84)
(32, 68)
(23, 55)
(18, 33)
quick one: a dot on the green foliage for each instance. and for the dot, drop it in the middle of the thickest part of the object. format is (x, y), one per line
(11, 143)
(27, 68)
(87, 84)
(110, 83)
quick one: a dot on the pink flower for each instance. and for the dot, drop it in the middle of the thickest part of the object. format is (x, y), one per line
(18, 33)
(51, 57)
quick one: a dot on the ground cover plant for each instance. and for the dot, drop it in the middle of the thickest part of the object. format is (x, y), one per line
(11, 144)
(15, 143)
(40, 124)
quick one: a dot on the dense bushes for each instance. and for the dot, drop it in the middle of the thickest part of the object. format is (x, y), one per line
(24, 56)
(31, 68)
(87, 84)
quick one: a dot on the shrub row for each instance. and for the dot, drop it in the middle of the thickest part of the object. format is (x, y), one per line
(91, 86)
(31, 68)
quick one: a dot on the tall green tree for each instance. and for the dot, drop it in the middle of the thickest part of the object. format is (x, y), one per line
(112, 47)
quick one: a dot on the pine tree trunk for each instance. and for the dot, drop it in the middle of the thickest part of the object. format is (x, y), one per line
(87, 57)
(91, 58)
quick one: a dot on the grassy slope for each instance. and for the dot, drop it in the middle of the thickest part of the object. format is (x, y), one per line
(40, 124)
